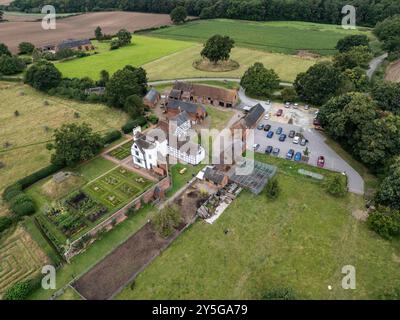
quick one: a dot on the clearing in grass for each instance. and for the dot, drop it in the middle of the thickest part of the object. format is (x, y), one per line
(275, 36)
(301, 241)
(141, 51)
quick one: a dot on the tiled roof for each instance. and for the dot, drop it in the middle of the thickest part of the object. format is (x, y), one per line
(252, 117)
(152, 95)
(181, 118)
(184, 106)
(73, 43)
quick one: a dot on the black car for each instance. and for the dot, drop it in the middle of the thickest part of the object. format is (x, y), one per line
(282, 137)
(269, 149)
(292, 133)
(267, 127)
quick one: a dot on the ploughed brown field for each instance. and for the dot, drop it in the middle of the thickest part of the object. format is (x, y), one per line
(393, 72)
(5, 2)
(81, 26)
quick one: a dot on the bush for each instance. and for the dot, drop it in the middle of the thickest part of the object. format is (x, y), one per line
(11, 65)
(167, 220)
(26, 48)
(130, 125)
(385, 222)
(272, 188)
(24, 208)
(5, 223)
(112, 136)
(18, 291)
(289, 94)
(279, 294)
(115, 44)
(152, 119)
(11, 191)
(336, 185)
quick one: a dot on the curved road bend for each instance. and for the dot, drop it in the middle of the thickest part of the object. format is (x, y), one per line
(374, 64)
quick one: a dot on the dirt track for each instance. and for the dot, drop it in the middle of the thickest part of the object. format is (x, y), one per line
(81, 26)
(393, 72)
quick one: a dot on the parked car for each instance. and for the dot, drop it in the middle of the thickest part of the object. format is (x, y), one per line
(279, 112)
(297, 156)
(290, 154)
(303, 141)
(268, 102)
(316, 122)
(266, 117)
(296, 140)
(267, 127)
(292, 133)
(260, 126)
(256, 146)
(306, 107)
(287, 105)
(282, 137)
(269, 149)
(295, 106)
(279, 130)
(270, 134)
(276, 151)
(321, 161)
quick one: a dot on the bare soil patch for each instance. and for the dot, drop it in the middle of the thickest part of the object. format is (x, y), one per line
(221, 66)
(109, 275)
(80, 26)
(5, 2)
(393, 72)
(307, 54)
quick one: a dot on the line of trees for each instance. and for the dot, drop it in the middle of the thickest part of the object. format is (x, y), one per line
(369, 12)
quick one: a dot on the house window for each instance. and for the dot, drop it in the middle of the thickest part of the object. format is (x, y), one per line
(149, 156)
(137, 153)
(138, 161)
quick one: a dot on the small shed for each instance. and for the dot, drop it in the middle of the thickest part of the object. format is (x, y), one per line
(152, 98)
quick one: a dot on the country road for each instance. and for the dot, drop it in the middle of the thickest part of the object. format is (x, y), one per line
(374, 64)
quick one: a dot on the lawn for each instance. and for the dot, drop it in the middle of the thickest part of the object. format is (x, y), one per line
(286, 66)
(301, 240)
(274, 36)
(29, 132)
(141, 51)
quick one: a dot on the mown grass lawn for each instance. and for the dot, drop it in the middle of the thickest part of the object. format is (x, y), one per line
(274, 36)
(141, 51)
(301, 240)
(165, 68)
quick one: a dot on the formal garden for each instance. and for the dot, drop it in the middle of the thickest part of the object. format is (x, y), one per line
(122, 152)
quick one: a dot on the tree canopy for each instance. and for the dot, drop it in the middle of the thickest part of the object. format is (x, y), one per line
(11, 65)
(178, 15)
(347, 43)
(43, 76)
(218, 48)
(259, 81)
(4, 50)
(26, 48)
(388, 32)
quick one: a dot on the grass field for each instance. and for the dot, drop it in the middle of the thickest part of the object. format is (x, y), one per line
(141, 51)
(302, 241)
(166, 68)
(29, 132)
(275, 36)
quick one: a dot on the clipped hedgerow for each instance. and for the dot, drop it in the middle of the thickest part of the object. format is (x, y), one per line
(130, 125)
(5, 223)
(24, 208)
(38, 175)
(112, 136)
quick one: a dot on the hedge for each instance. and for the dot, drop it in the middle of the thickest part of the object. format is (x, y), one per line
(11, 191)
(112, 136)
(38, 175)
(5, 223)
(21, 290)
(130, 125)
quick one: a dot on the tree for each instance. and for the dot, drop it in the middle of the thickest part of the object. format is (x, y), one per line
(289, 94)
(104, 78)
(134, 106)
(272, 188)
(124, 37)
(347, 43)
(355, 57)
(167, 220)
(321, 82)
(124, 83)
(218, 48)
(385, 222)
(18, 291)
(356, 80)
(259, 81)
(4, 50)
(11, 65)
(43, 76)
(1, 15)
(389, 190)
(98, 33)
(74, 143)
(178, 15)
(26, 48)
(388, 32)
(336, 185)
(387, 95)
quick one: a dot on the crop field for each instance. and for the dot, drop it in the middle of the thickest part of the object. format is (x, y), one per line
(13, 16)
(27, 134)
(141, 51)
(301, 240)
(20, 258)
(79, 26)
(281, 36)
(286, 66)
(122, 152)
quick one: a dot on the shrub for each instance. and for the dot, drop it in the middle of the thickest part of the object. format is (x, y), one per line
(115, 44)
(26, 48)
(279, 294)
(385, 222)
(152, 119)
(24, 208)
(11, 191)
(167, 220)
(18, 291)
(336, 185)
(112, 136)
(11, 65)
(272, 188)
(130, 125)
(5, 223)
(289, 94)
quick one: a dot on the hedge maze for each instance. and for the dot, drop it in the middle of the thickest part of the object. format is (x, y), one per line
(20, 259)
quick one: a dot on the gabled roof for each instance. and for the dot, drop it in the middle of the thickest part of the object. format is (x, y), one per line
(200, 90)
(252, 117)
(214, 175)
(152, 95)
(73, 43)
(175, 94)
(184, 106)
(181, 118)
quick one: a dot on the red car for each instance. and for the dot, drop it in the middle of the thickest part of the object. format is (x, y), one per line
(316, 122)
(279, 112)
(321, 161)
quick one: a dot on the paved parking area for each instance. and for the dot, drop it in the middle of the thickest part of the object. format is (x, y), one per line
(316, 146)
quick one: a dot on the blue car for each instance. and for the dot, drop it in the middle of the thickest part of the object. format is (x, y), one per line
(290, 154)
(270, 134)
(279, 130)
(297, 156)
(282, 137)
